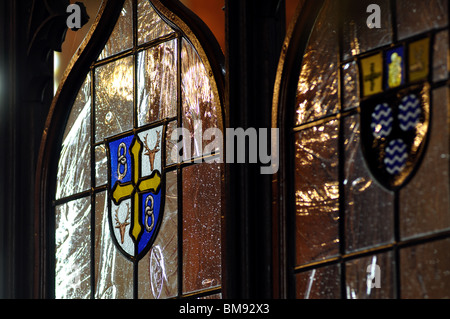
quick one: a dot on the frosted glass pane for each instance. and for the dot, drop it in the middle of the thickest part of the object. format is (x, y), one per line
(317, 90)
(369, 208)
(441, 56)
(73, 250)
(358, 38)
(317, 193)
(418, 16)
(150, 25)
(351, 85)
(371, 277)
(101, 166)
(158, 271)
(157, 83)
(121, 38)
(321, 283)
(171, 145)
(202, 198)
(114, 98)
(200, 106)
(74, 167)
(113, 272)
(425, 271)
(425, 202)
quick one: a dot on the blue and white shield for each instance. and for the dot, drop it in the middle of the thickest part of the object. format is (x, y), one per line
(394, 131)
(136, 199)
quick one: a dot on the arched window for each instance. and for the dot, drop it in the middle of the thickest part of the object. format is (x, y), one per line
(130, 217)
(364, 119)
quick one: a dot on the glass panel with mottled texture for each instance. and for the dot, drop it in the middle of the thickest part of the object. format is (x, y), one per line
(121, 38)
(202, 198)
(358, 38)
(351, 90)
(418, 16)
(371, 277)
(317, 89)
(113, 273)
(157, 83)
(320, 283)
(150, 25)
(200, 105)
(114, 98)
(317, 193)
(424, 272)
(74, 167)
(171, 144)
(425, 202)
(158, 270)
(441, 63)
(73, 250)
(101, 166)
(369, 208)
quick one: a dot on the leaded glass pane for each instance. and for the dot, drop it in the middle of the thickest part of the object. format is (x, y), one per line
(317, 193)
(74, 167)
(417, 16)
(320, 283)
(358, 38)
(101, 166)
(200, 104)
(114, 98)
(317, 90)
(113, 273)
(425, 202)
(419, 60)
(371, 277)
(121, 38)
(157, 83)
(441, 65)
(73, 250)
(150, 24)
(202, 200)
(171, 144)
(351, 85)
(369, 208)
(425, 271)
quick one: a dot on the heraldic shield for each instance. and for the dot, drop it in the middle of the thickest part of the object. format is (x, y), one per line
(136, 201)
(394, 132)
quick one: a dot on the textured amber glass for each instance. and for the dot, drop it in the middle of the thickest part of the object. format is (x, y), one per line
(114, 98)
(201, 227)
(317, 89)
(317, 193)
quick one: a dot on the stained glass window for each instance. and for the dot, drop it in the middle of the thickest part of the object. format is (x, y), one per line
(131, 220)
(371, 154)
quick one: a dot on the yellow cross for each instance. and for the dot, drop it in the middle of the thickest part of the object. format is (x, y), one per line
(131, 189)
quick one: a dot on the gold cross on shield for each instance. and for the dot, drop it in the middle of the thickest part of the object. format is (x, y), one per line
(132, 189)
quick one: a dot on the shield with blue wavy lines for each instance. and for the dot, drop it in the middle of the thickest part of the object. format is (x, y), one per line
(394, 133)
